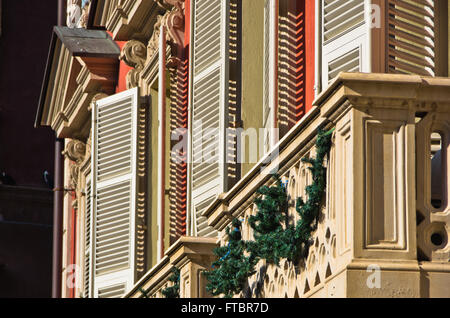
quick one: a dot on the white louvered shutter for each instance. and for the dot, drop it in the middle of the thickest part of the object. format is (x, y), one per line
(345, 38)
(87, 244)
(209, 108)
(270, 64)
(114, 185)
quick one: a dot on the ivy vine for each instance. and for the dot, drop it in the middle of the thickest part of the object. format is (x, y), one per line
(275, 237)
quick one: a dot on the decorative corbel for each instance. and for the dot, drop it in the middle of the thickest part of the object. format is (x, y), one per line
(134, 54)
(174, 21)
(76, 152)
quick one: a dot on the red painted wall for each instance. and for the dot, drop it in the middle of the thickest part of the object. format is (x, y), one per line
(310, 39)
(123, 71)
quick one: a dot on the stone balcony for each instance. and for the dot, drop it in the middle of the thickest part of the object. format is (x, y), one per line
(386, 210)
(191, 256)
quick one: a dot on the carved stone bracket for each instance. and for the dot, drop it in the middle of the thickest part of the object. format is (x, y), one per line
(76, 152)
(135, 54)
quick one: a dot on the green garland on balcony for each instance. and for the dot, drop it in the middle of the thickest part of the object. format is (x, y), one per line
(267, 224)
(233, 268)
(173, 291)
(297, 239)
(273, 242)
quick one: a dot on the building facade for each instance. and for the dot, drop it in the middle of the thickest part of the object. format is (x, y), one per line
(26, 160)
(175, 113)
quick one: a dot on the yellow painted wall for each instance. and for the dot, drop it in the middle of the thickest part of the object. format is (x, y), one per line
(152, 216)
(252, 69)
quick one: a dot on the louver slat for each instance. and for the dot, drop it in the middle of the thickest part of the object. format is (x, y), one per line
(341, 16)
(112, 292)
(114, 166)
(209, 107)
(348, 62)
(344, 38)
(412, 37)
(87, 245)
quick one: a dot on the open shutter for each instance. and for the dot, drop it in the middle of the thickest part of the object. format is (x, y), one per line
(209, 108)
(114, 176)
(345, 38)
(412, 37)
(87, 244)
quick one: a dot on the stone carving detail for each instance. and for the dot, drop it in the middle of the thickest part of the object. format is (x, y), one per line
(77, 13)
(134, 54)
(174, 21)
(76, 152)
(153, 43)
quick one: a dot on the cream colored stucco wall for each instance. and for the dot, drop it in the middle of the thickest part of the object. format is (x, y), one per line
(252, 69)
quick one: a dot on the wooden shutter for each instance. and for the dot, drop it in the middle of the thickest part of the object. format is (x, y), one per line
(210, 53)
(114, 184)
(88, 245)
(345, 38)
(178, 165)
(293, 64)
(412, 37)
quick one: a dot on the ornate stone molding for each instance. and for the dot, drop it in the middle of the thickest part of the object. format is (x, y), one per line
(174, 21)
(134, 54)
(76, 152)
(153, 43)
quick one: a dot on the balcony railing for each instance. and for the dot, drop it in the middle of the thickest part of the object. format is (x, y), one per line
(191, 256)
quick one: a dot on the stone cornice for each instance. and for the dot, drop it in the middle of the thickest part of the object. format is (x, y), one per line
(133, 19)
(76, 71)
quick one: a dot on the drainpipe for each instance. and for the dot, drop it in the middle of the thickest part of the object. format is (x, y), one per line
(58, 203)
(161, 141)
(58, 195)
(61, 12)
